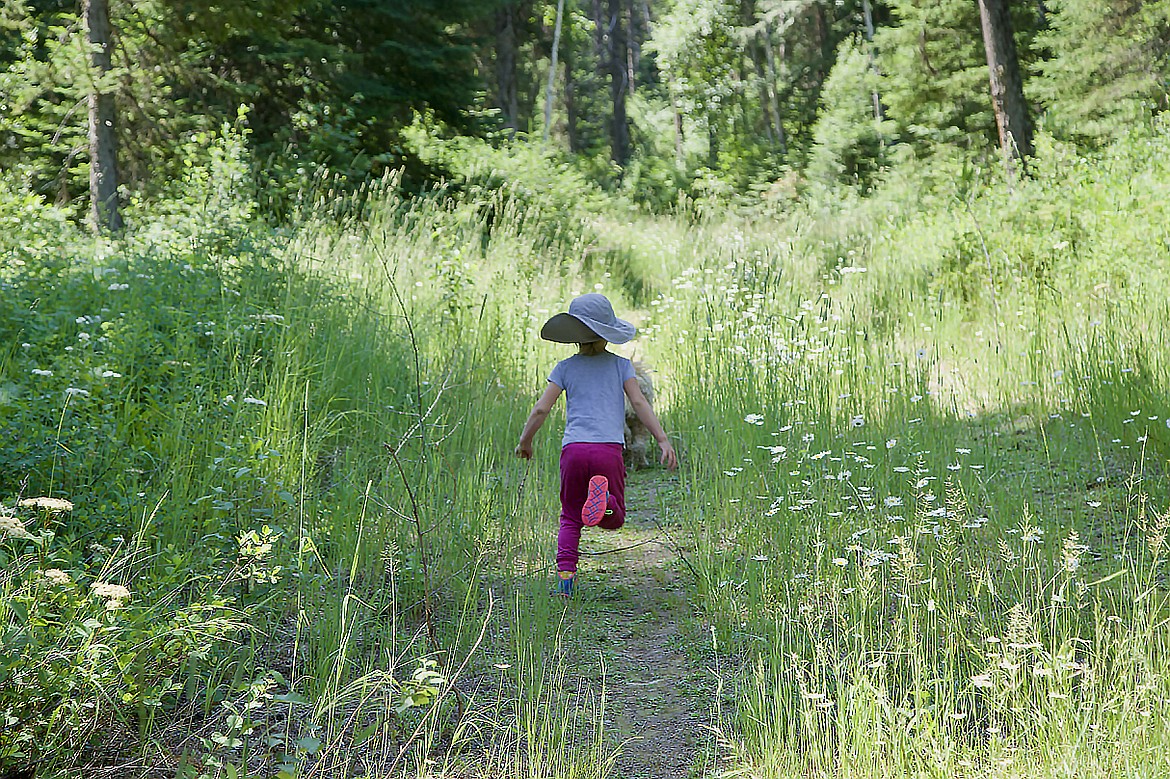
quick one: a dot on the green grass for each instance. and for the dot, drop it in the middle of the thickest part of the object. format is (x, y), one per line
(924, 439)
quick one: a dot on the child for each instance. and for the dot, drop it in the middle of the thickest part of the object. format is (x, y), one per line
(593, 474)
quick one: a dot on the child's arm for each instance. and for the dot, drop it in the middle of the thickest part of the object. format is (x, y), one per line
(536, 419)
(642, 408)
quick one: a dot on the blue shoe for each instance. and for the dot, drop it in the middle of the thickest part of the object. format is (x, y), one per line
(566, 584)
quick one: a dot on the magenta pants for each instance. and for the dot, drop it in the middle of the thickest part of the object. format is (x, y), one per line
(580, 463)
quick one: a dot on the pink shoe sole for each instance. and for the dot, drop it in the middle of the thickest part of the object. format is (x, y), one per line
(595, 501)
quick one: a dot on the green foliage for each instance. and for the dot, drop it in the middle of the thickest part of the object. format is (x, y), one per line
(83, 654)
(848, 140)
(289, 445)
(326, 86)
(935, 73)
(1108, 70)
(697, 53)
(514, 178)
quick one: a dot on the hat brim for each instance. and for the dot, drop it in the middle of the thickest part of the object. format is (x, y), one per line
(568, 329)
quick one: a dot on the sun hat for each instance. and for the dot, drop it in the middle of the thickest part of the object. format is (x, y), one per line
(590, 318)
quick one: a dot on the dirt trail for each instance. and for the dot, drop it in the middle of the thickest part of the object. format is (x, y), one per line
(633, 614)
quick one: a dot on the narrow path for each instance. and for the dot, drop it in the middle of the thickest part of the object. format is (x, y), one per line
(633, 617)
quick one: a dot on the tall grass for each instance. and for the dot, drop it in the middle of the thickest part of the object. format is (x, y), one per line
(925, 450)
(293, 452)
(933, 494)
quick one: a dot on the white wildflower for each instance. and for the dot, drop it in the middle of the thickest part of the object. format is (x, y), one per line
(56, 577)
(983, 680)
(51, 505)
(115, 594)
(11, 526)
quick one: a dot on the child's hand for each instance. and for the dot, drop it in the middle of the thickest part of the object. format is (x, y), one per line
(524, 451)
(668, 457)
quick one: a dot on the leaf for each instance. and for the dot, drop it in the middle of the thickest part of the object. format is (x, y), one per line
(365, 734)
(309, 744)
(1108, 578)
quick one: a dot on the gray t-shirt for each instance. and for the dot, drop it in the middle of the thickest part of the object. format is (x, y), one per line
(595, 395)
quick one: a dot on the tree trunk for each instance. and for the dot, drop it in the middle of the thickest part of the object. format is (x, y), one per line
(867, 11)
(639, 31)
(618, 84)
(712, 141)
(571, 124)
(506, 56)
(773, 98)
(611, 64)
(761, 77)
(824, 45)
(103, 142)
(552, 68)
(1007, 85)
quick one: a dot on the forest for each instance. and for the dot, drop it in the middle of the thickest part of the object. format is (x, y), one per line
(272, 282)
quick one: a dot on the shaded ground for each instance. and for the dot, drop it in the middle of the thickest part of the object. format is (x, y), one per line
(632, 622)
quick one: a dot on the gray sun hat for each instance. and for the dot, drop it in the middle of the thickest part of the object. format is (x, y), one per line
(590, 318)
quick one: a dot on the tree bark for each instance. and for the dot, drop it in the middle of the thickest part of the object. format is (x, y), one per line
(618, 84)
(506, 56)
(552, 68)
(773, 98)
(571, 124)
(103, 142)
(824, 45)
(1007, 85)
(867, 12)
(639, 31)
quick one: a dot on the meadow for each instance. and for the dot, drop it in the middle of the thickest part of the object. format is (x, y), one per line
(261, 515)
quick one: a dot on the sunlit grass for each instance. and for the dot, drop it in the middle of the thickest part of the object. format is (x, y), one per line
(924, 460)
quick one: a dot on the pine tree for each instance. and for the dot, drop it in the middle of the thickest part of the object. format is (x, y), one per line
(935, 72)
(1109, 66)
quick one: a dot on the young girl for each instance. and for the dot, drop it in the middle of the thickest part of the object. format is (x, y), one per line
(593, 474)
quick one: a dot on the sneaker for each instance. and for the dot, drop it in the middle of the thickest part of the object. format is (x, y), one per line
(566, 584)
(596, 500)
